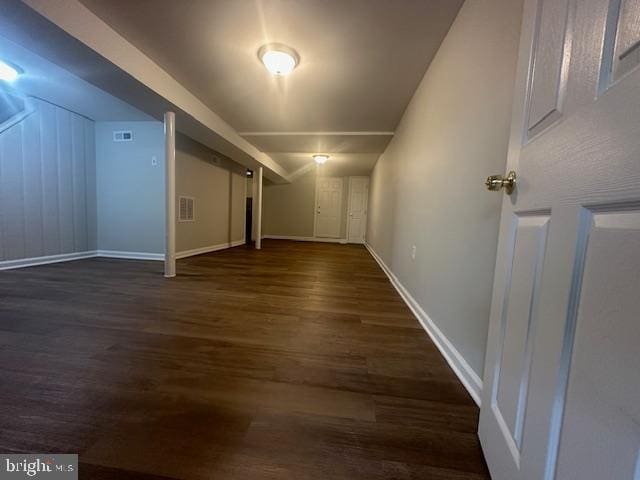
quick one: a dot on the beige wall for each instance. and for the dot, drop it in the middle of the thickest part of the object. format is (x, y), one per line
(427, 188)
(288, 209)
(219, 189)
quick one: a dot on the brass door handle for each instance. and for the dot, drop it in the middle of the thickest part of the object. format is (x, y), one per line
(497, 182)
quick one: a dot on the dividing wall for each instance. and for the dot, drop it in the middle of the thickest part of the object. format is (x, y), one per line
(218, 188)
(130, 189)
(131, 201)
(287, 209)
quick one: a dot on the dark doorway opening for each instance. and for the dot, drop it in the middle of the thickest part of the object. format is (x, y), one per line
(249, 220)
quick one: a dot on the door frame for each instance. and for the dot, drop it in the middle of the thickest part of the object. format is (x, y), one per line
(315, 207)
(366, 214)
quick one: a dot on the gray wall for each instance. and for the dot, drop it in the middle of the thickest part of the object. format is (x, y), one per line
(130, 190)
(288, 209)
(219, 188)
(427, 188)
(47, 185)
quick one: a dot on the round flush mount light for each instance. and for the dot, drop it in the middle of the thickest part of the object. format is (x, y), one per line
(8, 71)
(321, 159)
(279, 59)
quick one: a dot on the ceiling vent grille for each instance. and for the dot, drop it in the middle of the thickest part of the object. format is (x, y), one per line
(123, 136)
(185, 209)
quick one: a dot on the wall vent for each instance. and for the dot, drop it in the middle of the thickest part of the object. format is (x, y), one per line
(123, 136)
(185, 209)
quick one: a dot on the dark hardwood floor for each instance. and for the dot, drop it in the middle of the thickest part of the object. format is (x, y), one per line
(296, 362)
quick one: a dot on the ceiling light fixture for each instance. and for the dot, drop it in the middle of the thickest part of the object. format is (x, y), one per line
(279, 59)
(321, 159)
(9, 72)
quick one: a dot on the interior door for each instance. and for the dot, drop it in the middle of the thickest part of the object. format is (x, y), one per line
(328, 207)
(358, 200)
(561, 397)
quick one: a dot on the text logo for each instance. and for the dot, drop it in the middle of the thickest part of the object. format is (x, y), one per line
(38, 466)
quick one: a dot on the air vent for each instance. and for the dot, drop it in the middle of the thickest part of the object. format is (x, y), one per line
(123, 136)
(185, 209)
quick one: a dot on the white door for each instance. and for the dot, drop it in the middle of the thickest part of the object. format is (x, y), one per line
(561, 396)
(328, 207)
(358, 200)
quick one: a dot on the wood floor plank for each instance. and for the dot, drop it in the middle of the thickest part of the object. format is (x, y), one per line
(297, 361)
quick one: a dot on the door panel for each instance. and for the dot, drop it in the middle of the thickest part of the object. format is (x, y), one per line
(550, 63)
(601, 422)
(357, 200)
(518, 326)
(622, 39)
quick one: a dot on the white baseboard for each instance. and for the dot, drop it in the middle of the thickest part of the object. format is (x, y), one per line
(306, 239)
(66, 257)
(129, 255)
(31, 262)
(208, 249)
(471, 381)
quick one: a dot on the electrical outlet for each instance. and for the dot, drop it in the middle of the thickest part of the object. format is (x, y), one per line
(413, 252)
(154, 160)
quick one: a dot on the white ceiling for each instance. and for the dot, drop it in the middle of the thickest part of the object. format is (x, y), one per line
(361, 61)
